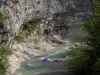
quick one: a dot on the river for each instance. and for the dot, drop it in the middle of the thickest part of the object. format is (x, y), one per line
(38, 67)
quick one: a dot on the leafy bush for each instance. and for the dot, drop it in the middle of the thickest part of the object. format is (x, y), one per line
(31, 25)
(79, 62)
(4, 52)
(4, 18)
(96, 67)
(19, 37)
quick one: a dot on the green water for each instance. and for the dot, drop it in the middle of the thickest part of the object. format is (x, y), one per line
(45, 68)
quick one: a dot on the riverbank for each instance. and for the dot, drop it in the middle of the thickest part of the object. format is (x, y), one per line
(25, 51)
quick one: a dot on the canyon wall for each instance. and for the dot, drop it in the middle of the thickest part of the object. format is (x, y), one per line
(58, 17)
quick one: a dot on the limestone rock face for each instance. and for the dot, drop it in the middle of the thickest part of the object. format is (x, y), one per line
(59, 17)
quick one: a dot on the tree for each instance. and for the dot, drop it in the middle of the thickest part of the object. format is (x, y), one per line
(86, 58)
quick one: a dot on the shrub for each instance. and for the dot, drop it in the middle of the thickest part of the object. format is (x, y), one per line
(5, 51)
(79, 62)
(96, 67)
(19, 37)
(31, 25)
(31, 6)
(5, 18)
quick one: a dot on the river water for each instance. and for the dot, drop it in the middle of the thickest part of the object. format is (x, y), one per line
(38, 67)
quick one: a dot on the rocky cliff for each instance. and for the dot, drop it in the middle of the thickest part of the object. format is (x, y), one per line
(58, 16)
(58, 19)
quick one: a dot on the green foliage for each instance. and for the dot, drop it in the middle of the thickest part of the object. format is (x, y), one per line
(79, 62)
(86, 58)
(38, 1)
(4, 18)
(96, 67)
(31, 25)
(80, 33)
(31, 6)
(4, 52)
(93, 28)
(1, 20)
(20, 37)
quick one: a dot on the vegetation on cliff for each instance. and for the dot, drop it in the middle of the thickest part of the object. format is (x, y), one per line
(19, 37)
(31, 26)
(5, 51)
(4, 18)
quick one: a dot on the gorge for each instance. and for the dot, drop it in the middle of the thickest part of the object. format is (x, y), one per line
(54, 21)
